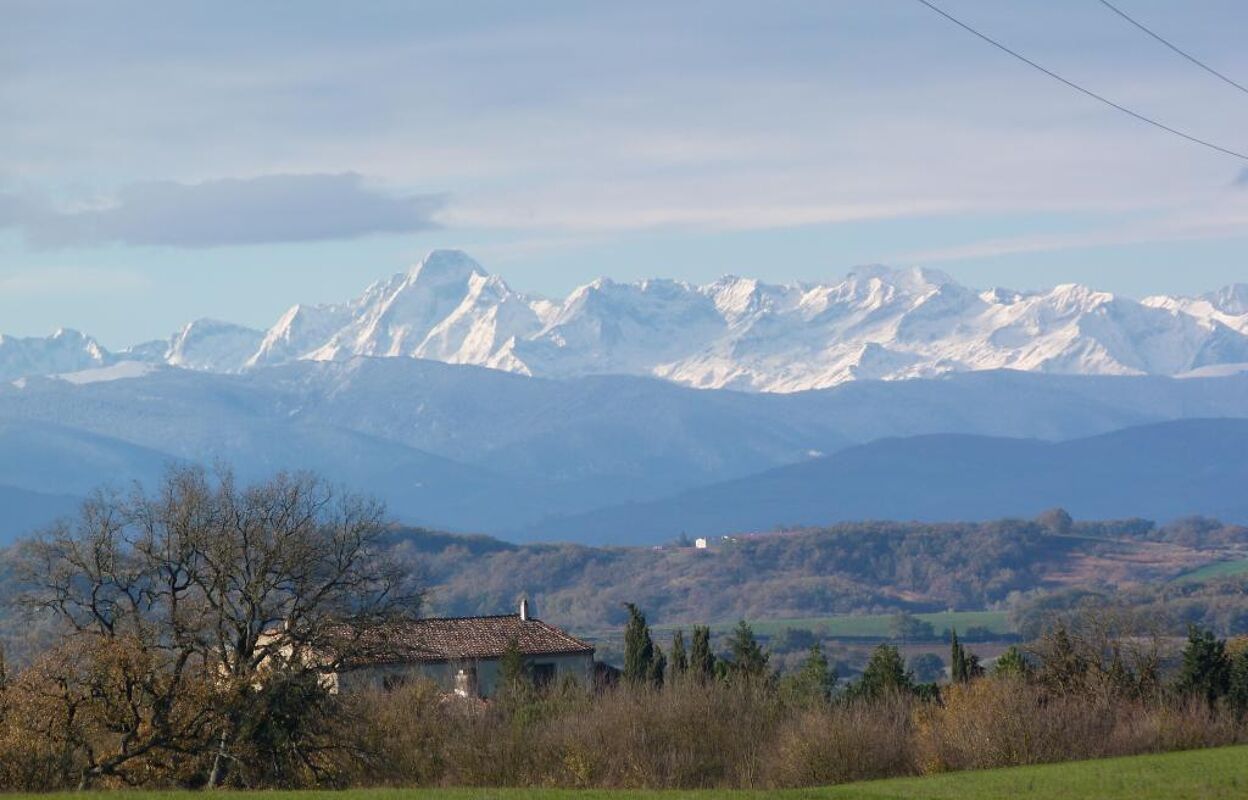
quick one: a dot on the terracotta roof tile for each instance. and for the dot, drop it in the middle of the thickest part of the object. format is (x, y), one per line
(459, 638)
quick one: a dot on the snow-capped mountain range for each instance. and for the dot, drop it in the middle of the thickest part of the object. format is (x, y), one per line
(736, 333)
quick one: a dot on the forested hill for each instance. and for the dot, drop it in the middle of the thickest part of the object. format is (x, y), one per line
(869, 567)
(858, 567)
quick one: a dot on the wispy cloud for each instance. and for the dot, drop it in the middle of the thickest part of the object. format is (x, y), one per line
(229, 211)
(1189, 226)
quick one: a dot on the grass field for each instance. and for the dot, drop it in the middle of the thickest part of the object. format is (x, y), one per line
(866, 624)
(1214, 774)
(1221, 569)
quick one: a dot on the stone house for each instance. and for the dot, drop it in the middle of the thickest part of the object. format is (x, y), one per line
(463, 654)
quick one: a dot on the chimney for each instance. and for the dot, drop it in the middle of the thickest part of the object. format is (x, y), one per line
(524, 609)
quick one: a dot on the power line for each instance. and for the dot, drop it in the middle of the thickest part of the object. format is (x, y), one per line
(1175, 48)
(1080, 89)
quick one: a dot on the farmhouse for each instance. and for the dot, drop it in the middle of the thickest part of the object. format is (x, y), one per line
(463, 654)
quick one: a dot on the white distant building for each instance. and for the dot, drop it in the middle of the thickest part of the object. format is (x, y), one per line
(700, 542)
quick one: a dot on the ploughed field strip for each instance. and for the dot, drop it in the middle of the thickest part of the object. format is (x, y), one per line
(1212, 773)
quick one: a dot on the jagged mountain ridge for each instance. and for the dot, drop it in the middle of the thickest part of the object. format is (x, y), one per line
(737, 333)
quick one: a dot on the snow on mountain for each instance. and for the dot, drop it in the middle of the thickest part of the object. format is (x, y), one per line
(1231, 300)
(64, 351)
(212, 346)
(878, 323)
(121, 370)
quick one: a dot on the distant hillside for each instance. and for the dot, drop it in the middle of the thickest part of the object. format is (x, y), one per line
(1160, 471)
(25, 511)
(472, 449)
(846, 568)
(851, 568)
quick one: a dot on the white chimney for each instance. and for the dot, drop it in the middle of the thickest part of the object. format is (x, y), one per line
(524, 609)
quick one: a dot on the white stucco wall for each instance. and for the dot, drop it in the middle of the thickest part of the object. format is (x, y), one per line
(578, 665)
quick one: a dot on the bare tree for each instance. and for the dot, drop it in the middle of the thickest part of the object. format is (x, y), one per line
(260, 588)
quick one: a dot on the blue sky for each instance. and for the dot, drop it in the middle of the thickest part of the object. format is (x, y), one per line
(166, 161)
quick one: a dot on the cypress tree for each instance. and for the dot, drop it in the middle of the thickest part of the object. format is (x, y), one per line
(957, 659)
(748, 658)
(963, 664)
(701, 659)
(638, 648)
(658, 666)
(680, 661)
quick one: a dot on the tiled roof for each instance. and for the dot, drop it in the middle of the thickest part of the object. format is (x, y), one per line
(462, 638)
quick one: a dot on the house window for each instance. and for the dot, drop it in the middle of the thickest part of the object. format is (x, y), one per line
(543, 674)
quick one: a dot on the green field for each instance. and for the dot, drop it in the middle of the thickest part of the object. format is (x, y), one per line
(866, 625)
(1215, 773)
(1221, 569)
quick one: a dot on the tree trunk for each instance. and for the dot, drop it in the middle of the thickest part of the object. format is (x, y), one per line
(218, 764)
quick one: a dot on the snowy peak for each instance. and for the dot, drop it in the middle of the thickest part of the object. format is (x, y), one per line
(878, 323)
(911, 280)
(66, 350)
(212, 346)
(1231, 299)
(441, 267)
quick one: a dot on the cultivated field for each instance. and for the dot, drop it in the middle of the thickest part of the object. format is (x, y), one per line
(1218, 569)
(862, 625)
(1205, 774)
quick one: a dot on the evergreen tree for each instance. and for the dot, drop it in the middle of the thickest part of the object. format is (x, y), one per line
(513, 670)
(701, 659)
(1237, 688)
(680, 661)
(963, 664)
(957, 659)
(1063, 668)
(812, 683)
(638, 648)
(1206, 670)
(658, 667)
(973, 668)
(748, 658)
(885, 674)
(1012, 663)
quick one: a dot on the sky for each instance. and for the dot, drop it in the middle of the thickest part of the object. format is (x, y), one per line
(161, 162)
